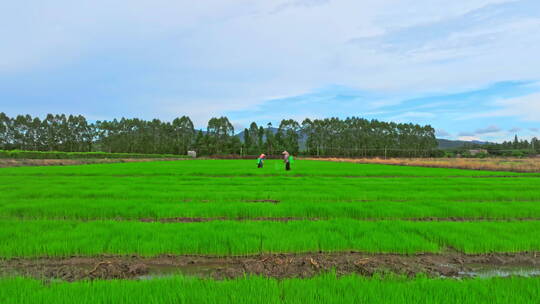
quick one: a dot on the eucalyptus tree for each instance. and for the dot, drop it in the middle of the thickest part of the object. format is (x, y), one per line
(270, 137)
(535, 144)
(201, 143)
(307, 132)
(352, 136)
(219, 131)
(5, 122)
(260, 139)
(253, 142)
(247, 142)
(288, 132)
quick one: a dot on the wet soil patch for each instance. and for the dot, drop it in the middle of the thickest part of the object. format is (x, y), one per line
(180, 220)
(454, 265)
(288, 219)
(264, 201)
(465, 219)
(201, 220)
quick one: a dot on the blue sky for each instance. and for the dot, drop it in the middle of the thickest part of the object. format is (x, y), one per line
(469, 68)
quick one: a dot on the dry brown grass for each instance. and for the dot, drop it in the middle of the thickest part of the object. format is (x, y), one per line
(492, 164)
(10, 162)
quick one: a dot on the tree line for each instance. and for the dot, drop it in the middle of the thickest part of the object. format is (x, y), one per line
(351, 137)
(517, 147)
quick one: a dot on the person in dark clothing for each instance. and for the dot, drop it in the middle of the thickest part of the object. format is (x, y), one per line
(286, 159)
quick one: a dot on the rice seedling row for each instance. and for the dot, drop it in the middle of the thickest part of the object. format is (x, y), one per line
(104, 195)
(66, 238)
(326, 288)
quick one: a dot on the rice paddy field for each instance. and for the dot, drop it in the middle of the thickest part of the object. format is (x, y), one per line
(224, 231)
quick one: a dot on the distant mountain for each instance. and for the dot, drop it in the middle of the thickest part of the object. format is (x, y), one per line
(453, 144)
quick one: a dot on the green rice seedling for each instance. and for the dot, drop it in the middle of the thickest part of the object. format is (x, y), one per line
(470, 237)
(325, 288)
(224, 168)
(185, 189)
(96, 210)
(67, 238)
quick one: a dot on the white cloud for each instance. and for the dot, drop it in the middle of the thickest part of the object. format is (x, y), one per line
(442, 133)
(408, 116)
(205, 58)
(468, 138)
(526, 108)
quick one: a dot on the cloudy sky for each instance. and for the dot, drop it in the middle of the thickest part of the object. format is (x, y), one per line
(470, 68)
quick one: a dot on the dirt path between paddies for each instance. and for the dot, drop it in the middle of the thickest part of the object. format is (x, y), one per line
(10, 162)
(453, 264)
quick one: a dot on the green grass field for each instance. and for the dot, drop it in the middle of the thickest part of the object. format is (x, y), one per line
(94, 210)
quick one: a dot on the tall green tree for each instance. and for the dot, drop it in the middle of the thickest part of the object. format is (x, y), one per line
(253, 140)
(247, 142)
(5, 126)
(270, 144)
(184, 134)
(289, 131)
(219, 131)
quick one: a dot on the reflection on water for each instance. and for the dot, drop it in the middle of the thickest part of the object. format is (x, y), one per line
(207, 270)
(502, 272)
(160, 271)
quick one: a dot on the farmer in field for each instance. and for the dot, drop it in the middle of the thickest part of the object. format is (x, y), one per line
(287, 159)
(260, 160)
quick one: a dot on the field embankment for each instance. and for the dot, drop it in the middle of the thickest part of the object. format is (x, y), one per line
(290, 265)
(19, 158)
(492, 164)
(18, 162)
(21, 154)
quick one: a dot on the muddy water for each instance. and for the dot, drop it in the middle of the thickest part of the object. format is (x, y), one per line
(476, 271)
(502, 272)
(452, 265)
(161, 271)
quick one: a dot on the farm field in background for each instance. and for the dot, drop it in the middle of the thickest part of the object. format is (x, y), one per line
(21, 158)
(24, 154)
(527, 164)
(381, 226)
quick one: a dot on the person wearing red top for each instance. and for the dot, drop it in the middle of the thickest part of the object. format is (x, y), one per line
(260, 161)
